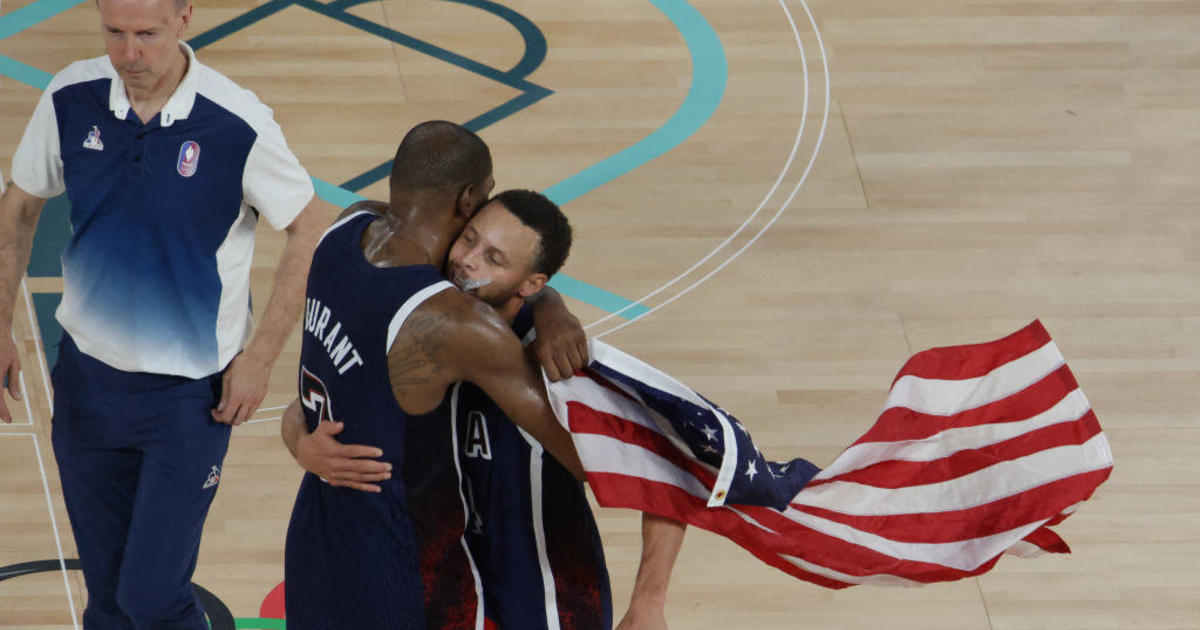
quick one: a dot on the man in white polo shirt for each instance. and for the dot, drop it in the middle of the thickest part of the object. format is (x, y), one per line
(168, 165)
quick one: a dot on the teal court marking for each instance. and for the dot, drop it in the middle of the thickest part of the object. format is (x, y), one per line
(709, 76)
(246, 623)
(33, 13)
(24, 73)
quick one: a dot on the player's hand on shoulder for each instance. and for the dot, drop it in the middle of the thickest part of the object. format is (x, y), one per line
(561, 346)
(348, 465)
(10, 367)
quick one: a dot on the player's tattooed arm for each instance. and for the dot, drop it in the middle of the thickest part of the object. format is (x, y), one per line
(415, 361)
(462, 339)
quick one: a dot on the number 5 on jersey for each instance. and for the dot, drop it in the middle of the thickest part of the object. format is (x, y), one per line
(314, 396)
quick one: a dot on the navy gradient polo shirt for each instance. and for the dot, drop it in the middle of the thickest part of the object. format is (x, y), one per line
(157, 271)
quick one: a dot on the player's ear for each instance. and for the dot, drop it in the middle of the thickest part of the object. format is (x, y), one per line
(533, 283)
(466, 201)
(185, 14)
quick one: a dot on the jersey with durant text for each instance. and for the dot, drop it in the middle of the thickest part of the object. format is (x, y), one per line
(351, 559)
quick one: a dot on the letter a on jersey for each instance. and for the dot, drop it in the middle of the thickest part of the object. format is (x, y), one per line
(477, 443)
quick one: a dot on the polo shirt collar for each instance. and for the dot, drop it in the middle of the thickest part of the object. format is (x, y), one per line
(180, 104)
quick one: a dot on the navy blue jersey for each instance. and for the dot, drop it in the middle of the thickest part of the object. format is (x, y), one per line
(534, 550)
(438, 509)
(351, 556)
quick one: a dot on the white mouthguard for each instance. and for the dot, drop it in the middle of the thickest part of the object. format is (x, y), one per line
(470, 284)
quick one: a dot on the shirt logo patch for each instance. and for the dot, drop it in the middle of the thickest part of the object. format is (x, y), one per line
(93, 140)
(189, 157)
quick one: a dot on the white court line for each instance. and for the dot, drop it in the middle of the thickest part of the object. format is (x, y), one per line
(762, 204)
(25, 399)
(37, 340)
(262, 409)
(62, 561)
(788, 201)
(263, 420)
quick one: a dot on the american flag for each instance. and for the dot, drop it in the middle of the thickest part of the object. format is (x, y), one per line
(980, 449)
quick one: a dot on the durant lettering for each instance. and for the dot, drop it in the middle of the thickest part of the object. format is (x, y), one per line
(337, 344)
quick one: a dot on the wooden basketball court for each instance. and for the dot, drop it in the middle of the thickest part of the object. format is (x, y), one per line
(776, 202)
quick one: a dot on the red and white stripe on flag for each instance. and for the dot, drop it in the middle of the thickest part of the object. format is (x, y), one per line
(979, 450)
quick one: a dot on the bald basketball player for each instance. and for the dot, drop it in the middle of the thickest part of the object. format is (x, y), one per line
(384, 338)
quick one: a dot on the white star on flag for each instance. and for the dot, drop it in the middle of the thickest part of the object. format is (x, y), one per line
(751, 471)
(709, 433)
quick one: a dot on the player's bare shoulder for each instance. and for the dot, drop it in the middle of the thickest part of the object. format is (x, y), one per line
(438, 345)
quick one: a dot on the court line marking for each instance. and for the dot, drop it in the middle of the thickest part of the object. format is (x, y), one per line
(533, 39)
(710, 73)
(62, 561)
(419, 45)
(33, 13)
(24, 399)
(24, 73)
(37, 339)
(795, 190)
(762, 204)
(272, 419)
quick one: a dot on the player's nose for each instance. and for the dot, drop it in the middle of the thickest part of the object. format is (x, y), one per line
(470, 260)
